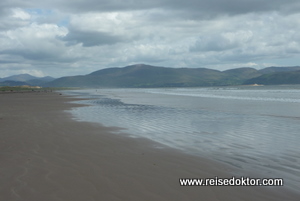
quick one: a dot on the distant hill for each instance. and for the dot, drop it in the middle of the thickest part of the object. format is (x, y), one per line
(141, 75)
(24, 79)
(10, 83)
(152, 76)
(291, 77)
(279, 69)
(40, 81)
(239, 75)
(21, 78)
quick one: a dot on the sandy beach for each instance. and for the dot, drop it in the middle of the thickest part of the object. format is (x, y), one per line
(45, 155)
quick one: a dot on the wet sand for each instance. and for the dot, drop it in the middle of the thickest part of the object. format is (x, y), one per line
(46, 155)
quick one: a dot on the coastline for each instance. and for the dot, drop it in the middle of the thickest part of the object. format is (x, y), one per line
(46, 155)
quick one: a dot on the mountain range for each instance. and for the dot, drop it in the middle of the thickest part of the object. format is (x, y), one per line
(141, 75)
(24, 79)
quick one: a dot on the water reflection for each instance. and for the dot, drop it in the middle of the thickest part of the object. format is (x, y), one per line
(258, 133)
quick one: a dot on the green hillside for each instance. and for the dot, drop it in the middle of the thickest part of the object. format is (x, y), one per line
(145, 76)
(141, 75)
(276, 78)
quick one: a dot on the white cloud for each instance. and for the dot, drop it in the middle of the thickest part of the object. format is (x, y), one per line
(33, 42)
(83, 36)
(14, 18)
(20, 14)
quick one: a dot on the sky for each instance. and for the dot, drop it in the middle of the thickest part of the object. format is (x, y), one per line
(76, 37)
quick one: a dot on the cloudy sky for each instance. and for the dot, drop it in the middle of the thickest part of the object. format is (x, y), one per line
(72, 37)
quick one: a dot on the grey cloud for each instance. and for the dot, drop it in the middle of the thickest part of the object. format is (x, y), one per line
(169, 32)
(4, 25)
(90, 38)
(28, 54)
(6, 62)
(42, 55)
(232, 7)
(222, 42)
(195, 8)
(113, 5)
(229, 7)
(212, 44)
(8, 22)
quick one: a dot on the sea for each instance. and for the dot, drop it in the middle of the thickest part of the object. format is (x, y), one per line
(251, 128)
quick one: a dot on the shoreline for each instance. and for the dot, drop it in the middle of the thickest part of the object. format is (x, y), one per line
(46, 155)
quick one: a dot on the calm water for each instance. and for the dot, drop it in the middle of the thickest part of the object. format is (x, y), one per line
(251, 128)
